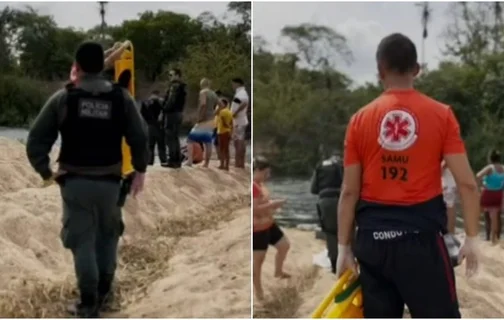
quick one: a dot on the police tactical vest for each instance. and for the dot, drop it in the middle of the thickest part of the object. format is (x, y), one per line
(329, 179)
(92, 128)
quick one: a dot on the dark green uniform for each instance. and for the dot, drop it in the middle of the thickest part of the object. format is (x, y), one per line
(92, 118)
(173, 110)
(326, 183)
(150, 110)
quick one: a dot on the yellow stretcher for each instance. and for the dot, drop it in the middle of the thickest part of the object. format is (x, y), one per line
(343, 301)
(126, 62)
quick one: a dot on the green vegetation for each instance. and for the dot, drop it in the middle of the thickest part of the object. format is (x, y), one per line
(36, 54)
(302, 103)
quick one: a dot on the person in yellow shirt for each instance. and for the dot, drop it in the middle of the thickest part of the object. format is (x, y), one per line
(224, 129)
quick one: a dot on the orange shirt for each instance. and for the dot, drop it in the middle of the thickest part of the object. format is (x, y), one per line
(399, 139)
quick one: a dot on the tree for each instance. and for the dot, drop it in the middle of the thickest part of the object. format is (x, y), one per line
(296, 113)
(163, 37)
(36, 54)
(319, 46)
(6, 57)
(44, 50)
(474, 30)
(243, 10)
(201, 62)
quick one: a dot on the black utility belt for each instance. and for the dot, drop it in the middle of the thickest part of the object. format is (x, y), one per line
(106, 177)
(329, 194)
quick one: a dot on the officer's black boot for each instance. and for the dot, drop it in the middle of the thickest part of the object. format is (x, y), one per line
(333, 265)
(105, 293)
(86, 308)
(174, 164)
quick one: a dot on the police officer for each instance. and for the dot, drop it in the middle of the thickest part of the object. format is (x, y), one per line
(92, 117)
(150, 110)
(173, 109)
(326, 183)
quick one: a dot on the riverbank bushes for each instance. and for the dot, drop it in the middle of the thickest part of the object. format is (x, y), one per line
(20, 100)
(36, 54)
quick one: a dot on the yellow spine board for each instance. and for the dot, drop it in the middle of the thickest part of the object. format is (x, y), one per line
(126, 62)
(349, 308)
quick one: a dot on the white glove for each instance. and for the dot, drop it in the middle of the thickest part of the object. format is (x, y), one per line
(345, 260)
(469, 252)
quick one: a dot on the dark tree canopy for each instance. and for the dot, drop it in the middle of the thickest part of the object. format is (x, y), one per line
(36, 54)
(302, 105)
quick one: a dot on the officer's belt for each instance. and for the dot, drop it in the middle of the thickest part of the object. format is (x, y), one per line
(329, 193)
(70, 175)
(112, 170)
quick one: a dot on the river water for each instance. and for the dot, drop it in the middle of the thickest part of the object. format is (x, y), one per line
(21, 134)
(300, 209)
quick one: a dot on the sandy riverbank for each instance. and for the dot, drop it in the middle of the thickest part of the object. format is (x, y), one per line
(480, 297)
(185, 253)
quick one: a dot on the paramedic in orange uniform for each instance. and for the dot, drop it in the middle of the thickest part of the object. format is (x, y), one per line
(392, 193)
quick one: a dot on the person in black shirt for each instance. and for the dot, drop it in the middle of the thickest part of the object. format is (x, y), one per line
(151, 110)
(173, 109)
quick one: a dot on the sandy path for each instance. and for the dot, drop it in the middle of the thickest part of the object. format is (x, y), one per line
(481, 297)
(213, 269)
(185, 251)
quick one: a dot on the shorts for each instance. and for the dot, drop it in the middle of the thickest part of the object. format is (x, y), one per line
(224, 139)
(398, 268)
(262, 239)
(449, 196)
(491, 198)
(239, 132)
(200, 136)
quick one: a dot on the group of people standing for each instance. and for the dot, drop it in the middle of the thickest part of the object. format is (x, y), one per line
(164, 118)
(218, 122)
(383, 207)
(95, 115)
(491, 181)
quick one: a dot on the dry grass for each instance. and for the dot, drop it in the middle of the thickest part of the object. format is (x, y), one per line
(142, 261)
(35, 298)
(285, 300)
(191, 225)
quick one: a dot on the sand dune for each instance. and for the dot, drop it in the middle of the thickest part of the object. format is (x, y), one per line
(213, 269)
(185, 252)
(479, 297)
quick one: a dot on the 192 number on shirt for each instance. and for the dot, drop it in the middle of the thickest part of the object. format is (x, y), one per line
(394, 173)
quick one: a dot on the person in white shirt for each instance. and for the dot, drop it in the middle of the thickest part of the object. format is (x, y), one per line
(239, 108)
(449, 196)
